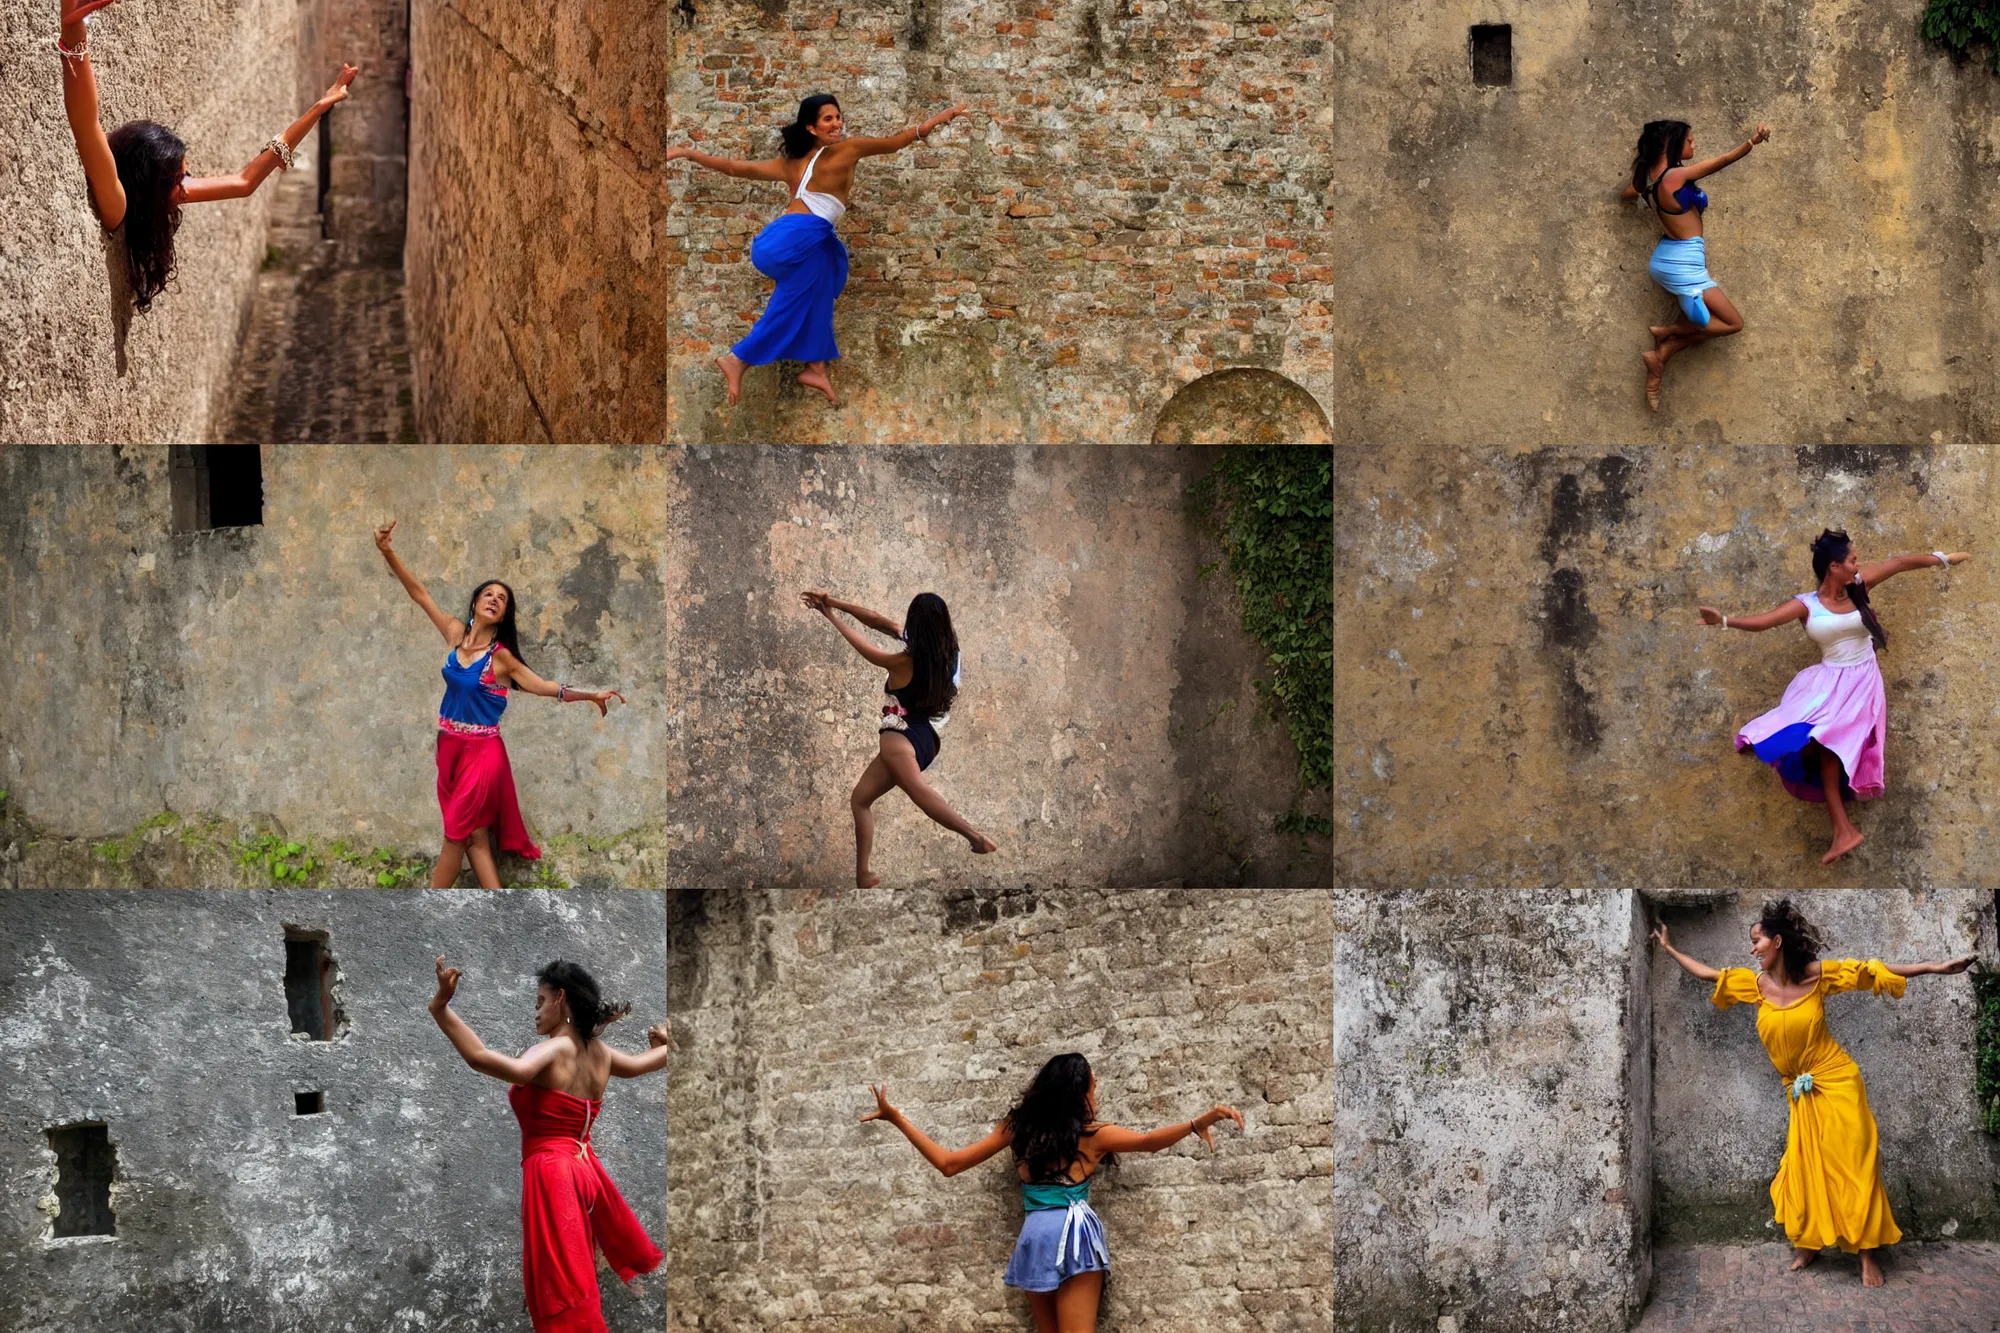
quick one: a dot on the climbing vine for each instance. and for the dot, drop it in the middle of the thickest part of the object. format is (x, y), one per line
(1271, 510)
(1961, 25)
(1986, 1045)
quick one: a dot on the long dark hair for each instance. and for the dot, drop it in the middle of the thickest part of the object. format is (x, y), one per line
(1668, 136)
(503, 630)
(1798, 939)
(587, 1008)
(798, 135)
(1051, 1117)
(149, 157)
(933, 654)
(1832, 545)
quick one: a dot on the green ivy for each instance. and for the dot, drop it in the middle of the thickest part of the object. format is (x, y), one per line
(1271, 510)
(285, 862)
(1961, 25)
(1986, 1047)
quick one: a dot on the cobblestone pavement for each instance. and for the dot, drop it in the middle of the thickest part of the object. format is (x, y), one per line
(1931, 1288)
(325, 356)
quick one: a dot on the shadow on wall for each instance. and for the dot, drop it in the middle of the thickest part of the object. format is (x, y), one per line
(1242, 406)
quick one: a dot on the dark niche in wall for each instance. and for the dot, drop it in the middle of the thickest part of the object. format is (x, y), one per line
(1492, 46)
(308, 1103)
(309, 979)
(85, 1160)
(216, 486)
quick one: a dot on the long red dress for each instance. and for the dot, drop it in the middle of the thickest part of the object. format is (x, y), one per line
(569, 1209)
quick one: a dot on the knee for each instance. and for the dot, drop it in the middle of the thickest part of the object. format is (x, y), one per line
(859, 800)
(479, 839)
(1722, 328)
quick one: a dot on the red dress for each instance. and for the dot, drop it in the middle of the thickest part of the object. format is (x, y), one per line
(569, 1209)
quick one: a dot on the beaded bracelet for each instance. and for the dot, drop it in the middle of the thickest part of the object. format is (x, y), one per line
(281, 150)
(81, 53)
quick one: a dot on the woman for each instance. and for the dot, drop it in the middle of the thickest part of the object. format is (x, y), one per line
(1828, 1190)
(1058, 1144)
(798, 250)
(1663, 177)
(138, 173)
(916, 701)
(1826, 735)
(475, 784)
(569, 1206)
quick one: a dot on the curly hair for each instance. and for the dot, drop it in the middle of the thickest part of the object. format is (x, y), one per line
(587, 1008)
(1799, 941)
(149, 157)
(1051, 1117)
(1831, 545)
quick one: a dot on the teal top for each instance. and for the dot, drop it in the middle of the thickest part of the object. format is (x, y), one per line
(1037, 1198)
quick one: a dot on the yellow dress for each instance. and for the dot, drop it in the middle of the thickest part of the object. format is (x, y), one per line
(1829, 1186)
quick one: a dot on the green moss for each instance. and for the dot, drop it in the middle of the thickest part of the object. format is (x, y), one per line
(1986, 1049)
(121, 850)
(1962, 25)
(287, 863)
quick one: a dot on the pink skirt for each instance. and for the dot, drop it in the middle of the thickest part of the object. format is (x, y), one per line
(1845, 710)
(476, 790)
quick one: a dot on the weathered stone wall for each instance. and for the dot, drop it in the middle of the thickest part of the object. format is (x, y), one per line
(1494, 288)
(164, 1016)
(367, 173)
(787, 1215)
(75, 362)
(278, 678)
(1139, 198)
(1106, 731)
(1525, 694)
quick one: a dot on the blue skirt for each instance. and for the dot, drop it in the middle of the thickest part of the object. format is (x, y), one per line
(804, 256)
(1682, 268)
(1057, 1244)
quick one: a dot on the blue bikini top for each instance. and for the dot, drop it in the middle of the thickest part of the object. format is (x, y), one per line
(1689, 196)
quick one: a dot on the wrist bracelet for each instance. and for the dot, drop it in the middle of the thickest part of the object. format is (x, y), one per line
(562, 694)
(281, 150)
(1944, 561)
(1725, 622)
(82, 52)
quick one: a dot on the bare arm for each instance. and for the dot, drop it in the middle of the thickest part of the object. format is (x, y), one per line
(1114, 1138)
(1875, 571)
(1694, 966)
(948, 1161)
(80, 103)
(516, 671)
(1950, 969)
(1696, 170)
(874, 620)
(881, 657)
(209, 189)
(453, 630)
(1789, 609)
(770, 169)
(896, 143)
(654, 1060)
(506, 1068)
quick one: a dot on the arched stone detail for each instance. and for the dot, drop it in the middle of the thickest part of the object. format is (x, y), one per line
(1242, 405)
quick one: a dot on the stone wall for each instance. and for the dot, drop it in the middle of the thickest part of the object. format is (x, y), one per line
(1526, 695)
(788, 1215)
(396, 1208)
(366, 176)
(1494, 288)
(1138, 199)
(78, 364)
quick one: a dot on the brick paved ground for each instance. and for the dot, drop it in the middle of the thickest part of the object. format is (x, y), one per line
(325, 357)
(1936, 1288)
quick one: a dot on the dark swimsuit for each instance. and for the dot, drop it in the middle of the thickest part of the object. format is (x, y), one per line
(1690, 197)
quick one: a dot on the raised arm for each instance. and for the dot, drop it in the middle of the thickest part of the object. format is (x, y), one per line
(654, 1060)
(874, 620)
(516, 671)
(1950, 969)
(1875, 571)
(453, 630)
(896, 143)
(1694, 171)
(80, 102)
(1789, 609)
(208, 189)
(1694, 966)
(1114, 1138)
(507, 1068)
(948, 1161)
(770, 169)
(826, 606)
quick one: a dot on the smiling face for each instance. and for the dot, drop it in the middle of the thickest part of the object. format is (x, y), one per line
(551, 1010)
(1765, 947)
(1848, 567)
(828, 127)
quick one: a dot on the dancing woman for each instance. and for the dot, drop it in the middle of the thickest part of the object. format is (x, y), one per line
(138, 173)
(1058, 1145)
(1826, 735)
(475, 784)
(916, 701)
(798, 249)
(1664, 178)
(1828, 1190)
(569, 1206)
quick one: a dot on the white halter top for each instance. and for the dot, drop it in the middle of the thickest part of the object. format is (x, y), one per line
(1843, 639)
(820, 205)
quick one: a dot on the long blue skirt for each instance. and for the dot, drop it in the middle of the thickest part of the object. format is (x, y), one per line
(804, 256)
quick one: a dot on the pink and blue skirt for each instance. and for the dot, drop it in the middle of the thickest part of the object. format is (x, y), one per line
(1844, 709)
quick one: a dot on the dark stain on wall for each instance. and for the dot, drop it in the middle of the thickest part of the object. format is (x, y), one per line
(1816, 462)
(1573, 511)
(1568, 629)
(590, 585)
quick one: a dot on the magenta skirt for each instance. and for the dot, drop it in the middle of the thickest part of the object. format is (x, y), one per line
(1845, 710)
(476, 791)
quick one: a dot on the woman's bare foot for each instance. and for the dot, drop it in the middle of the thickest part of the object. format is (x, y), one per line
(1803, 1259)
(817, 381)
(1654, 369)
(1871, 1272)
(1660, 332)
(732, 370)
(865, 880)
(1843, 843)
(981, 844)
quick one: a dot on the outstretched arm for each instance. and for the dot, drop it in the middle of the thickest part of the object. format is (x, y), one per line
(654, 1060)
(1789, 609)
(1875, 571)
(896, 143)
(504, 1067)
(208, 189)
(874, 620)
(1114, 1138)
(80, 102)
(770, 169)
(1694, 966)
(516, 671)
(1950, 969)
(946, 1160)
(826, 606)
(453, 630)
(1696, 170)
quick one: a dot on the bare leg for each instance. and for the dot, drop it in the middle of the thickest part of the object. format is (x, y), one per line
(815, 377)
(1871, 1272)
(732, 370)
(1845, 836)
(1076, 1303)
(901, 757)
(1723, 320)
(876, 782)
(482, 860)
(1802, 1257)
(1043, 1305)
(445, 873)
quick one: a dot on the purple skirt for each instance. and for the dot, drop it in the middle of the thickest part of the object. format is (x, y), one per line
(1841, 707)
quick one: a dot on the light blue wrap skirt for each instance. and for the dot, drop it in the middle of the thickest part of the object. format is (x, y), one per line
(803, 255)
(1057, 1244)
(1682, 268)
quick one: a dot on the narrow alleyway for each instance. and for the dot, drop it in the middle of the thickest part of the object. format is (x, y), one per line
(1937, 1287)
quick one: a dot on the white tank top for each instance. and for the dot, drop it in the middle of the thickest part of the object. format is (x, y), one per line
(819, 205)
(1843, 639)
